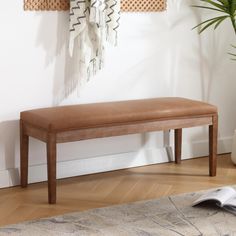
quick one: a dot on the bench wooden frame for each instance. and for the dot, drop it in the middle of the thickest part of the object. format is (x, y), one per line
(52, 138)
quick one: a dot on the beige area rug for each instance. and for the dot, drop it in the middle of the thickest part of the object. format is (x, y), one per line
(166, 216)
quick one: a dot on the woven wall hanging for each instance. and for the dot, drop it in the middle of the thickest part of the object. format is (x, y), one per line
(126, 5)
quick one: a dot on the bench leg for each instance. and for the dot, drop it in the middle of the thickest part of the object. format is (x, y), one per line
(51, 164)
(24, 155)
(213, 131)
(178, 145)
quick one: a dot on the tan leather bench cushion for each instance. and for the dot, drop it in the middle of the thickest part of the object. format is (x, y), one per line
(74, 117)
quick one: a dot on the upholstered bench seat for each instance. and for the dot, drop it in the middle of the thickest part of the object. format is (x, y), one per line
(85, 121)
(112, 113)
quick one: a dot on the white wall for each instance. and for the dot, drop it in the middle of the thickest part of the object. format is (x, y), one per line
(158, 55)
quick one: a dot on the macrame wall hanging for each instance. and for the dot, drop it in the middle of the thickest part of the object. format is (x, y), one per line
(126, 5)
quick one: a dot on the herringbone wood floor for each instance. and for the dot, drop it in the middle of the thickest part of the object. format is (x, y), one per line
(99, 190)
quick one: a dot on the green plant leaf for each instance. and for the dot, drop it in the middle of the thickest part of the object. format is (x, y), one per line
(224, 2)
(233, 7)
(211, 21)
(209, 8)
(208, 25)
(232, 54)
(217, 5)
(220, 21)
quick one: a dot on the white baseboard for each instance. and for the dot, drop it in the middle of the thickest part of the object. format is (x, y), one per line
(98, 164)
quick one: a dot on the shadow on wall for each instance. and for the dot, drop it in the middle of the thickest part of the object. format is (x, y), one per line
(9, 149)
(210, 55)
(177, 12)
(210, 61)
(53, 37)
(207, 51)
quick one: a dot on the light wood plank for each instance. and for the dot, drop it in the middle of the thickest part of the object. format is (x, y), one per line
(106, 189)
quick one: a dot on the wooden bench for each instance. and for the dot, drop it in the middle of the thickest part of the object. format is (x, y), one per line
(87, 121)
